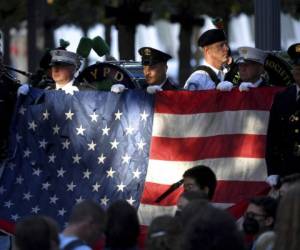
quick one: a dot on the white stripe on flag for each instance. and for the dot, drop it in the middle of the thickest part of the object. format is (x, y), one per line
(210, 124)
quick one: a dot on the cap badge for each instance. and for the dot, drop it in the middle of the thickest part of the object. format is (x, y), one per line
(147, 52)
(297, 48)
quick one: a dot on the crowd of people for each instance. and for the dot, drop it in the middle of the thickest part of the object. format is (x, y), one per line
(268, 223)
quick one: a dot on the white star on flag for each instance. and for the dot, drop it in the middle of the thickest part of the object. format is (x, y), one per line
(27, 152)
(69, 115)
(52, 158)
(129, 130)
(121, 187)
(71, 186)
(94, 117)
(61, 212)
(80, 130)
(105, 130)
(35, 210)
(8, 204)
(141, 145)
(80, 199)
(22, 110)
(86, 174)
(101, 159)
(46, 115)
(32, 125)
(96, 186)
(65, 144)
(43, 144)
(92, 146)
(15, 217)
(126, 158)
(118, 115)
(110, 173)
(46, 185)
(53, 199)
(27, 196)
(104, 201)
(60, 172)
(36, 171)
(130, 201)
(114, 144)
(56, 129)
(76, 158)
(19, 180)
(144, 116)
(136, 174)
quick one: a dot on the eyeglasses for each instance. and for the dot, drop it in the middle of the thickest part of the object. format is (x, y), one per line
(254, 215)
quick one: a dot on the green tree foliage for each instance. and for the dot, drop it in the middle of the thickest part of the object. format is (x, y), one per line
(292, 7)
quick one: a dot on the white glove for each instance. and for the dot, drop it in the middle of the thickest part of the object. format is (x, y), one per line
(70, 90)
(23, 89)
(272, 180)
(245, 86)
(225, 86)
(117, 88)
(153, 89)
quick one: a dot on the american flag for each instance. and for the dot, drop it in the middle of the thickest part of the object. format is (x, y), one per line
(96, 145)
(92, 145)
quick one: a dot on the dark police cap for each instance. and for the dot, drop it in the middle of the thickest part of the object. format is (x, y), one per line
(152, 56)
(294, 53)
(211, 36)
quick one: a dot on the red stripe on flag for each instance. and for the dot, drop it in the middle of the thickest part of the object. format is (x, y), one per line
(191, 102)
(191, 149)
(226, 192)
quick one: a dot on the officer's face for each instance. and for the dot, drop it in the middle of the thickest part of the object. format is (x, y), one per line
(219, 51)
(155, 74)
(250, 71)
(296, 73)
(62, 74)
(189, 184)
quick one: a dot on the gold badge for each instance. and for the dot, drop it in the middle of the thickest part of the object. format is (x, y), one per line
(244, 51)
(147, 52)
(297, 48)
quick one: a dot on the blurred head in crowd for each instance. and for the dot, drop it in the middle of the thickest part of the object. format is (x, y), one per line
(164, 233)
(64, 65)
(215, 47)
(287, 225)
(122, 229)
(154, 65)
(287, 182)
(87, 222)
(200, 178)
(294, 53)
(188, 196)
(212, 229)
(251, 64)
(260, 215)
(36, 233)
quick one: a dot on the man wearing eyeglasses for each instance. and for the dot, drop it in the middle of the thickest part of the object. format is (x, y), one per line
(259, 217)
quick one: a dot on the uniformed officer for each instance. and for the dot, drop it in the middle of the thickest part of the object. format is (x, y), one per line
(283, 137)
(155, 71)
(210, 75)
(63, 67)
(251, 68)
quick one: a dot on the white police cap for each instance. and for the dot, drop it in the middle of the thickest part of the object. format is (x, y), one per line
(251, 54)
(64, 57)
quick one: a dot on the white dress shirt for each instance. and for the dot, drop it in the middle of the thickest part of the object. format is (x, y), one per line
(200, 79)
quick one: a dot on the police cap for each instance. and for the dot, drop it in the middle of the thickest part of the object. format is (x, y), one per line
(211, 36)
(294, 53)
(251, 54)
(151, 56)
(64, 57)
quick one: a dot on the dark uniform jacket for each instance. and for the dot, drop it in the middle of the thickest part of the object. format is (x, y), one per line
(283, 137)
(169, 85)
